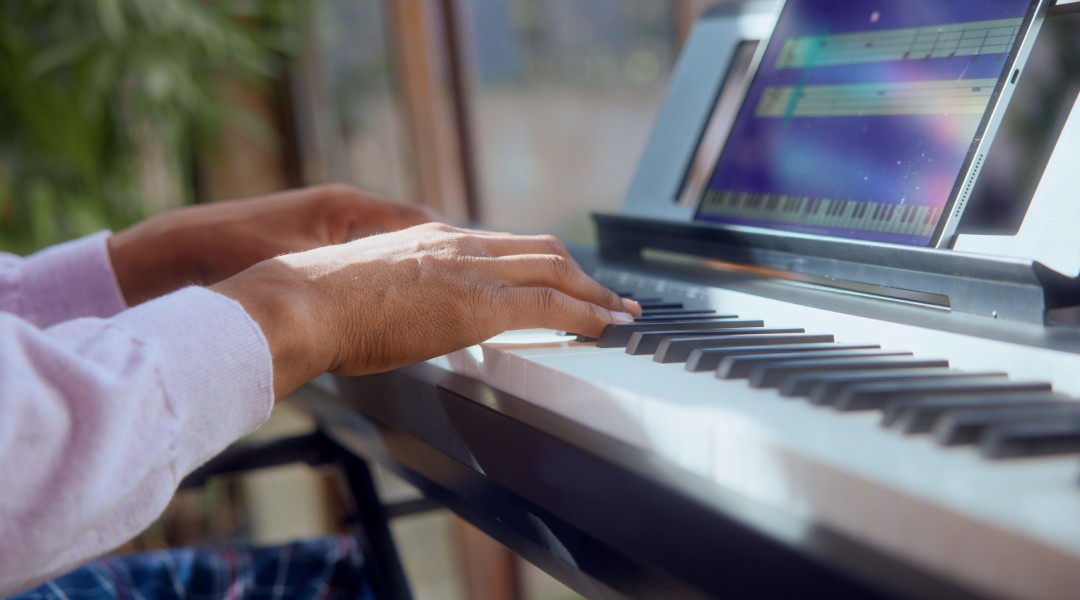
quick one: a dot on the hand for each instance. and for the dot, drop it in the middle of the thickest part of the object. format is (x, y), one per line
(398, 298)
(208, 243)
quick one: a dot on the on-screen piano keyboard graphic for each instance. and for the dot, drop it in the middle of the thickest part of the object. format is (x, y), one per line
(954, 452)
(903, 219)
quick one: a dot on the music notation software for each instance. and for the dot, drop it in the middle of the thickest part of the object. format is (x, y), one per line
(858, 121)
(946, 40)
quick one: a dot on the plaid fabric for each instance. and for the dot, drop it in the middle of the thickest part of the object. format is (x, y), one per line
(327, 568)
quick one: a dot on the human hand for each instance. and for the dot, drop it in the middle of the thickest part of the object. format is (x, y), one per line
(398, 298)
(207, 243)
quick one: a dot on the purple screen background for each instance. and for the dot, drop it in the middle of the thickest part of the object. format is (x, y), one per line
(892, 159)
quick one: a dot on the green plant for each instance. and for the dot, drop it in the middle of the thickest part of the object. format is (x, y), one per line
(89, 88)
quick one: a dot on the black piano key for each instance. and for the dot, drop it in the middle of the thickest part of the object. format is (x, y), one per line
(617, 335)
(919, 413)
(822, 388)
(702, 316)
(669, 318)
(659, 304)
(740, 367)
(968, 426)
(874, 395)
(774, 374)
(649, 300)
(645, 342)
(1042, 438)
(893, 396)
(708, 359)
(672, 351)
(926, 393)
(665, 312)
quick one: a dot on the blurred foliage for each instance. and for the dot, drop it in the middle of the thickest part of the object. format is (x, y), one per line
(85, 83)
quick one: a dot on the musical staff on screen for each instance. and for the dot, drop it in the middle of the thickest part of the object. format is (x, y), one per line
(916, 43)
(952, 97)
(901, 219)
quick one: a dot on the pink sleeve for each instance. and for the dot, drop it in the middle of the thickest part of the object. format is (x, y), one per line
(101, 418)
(67, 281)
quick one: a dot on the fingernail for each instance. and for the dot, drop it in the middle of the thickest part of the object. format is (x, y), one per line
(621, 317)
(631, 305)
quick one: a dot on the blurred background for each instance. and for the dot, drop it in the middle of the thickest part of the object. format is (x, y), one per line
(520, 115)
(517, 114)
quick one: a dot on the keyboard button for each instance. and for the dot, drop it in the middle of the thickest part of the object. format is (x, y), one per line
(743, 367)
(708, 359)
(678, 350)
(617, 335)
(919, 411)
(774, 374)
(647, 342)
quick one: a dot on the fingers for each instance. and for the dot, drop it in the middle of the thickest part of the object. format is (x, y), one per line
(413, 214)
(548, 308)
(533, 279)
(541, 261)
(504, 244)
(557, 272)
(375, 215)
(354, 213)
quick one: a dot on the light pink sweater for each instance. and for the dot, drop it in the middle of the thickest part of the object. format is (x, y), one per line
(104, 409)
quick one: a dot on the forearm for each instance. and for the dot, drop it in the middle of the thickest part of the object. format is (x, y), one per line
(100, 419)
(150, 260)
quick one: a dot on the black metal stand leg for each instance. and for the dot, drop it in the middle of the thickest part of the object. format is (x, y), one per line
(388, 574)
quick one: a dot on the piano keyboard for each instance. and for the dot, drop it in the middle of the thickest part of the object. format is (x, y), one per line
(954, 452)
(816, 369)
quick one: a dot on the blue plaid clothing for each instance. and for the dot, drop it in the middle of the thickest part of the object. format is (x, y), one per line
(329, 568)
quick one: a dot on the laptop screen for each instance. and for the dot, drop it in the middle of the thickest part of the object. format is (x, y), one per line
(862, 117)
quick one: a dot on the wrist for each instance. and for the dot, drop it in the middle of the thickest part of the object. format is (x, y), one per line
(281, 302)
(145, 261)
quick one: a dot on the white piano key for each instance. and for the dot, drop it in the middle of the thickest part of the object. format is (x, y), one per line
(552, 383)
